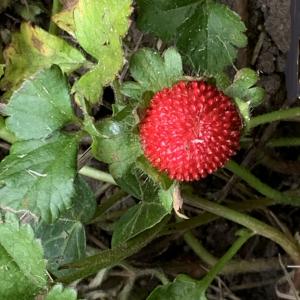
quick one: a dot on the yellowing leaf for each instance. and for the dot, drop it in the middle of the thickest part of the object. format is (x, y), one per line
(33, 49)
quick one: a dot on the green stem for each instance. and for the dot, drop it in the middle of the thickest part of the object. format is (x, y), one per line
(258, 227)
(261, 187)
(97, 174)
(56, 7)
(278, 142)
(206, 217)
(244, 235)
(90, 265)
(283, 114)
(284, 142)
(235, 266)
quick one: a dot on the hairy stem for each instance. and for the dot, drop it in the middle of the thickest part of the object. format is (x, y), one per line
(283, 114)
(278, 142)
(258, 185)
(97, 174)
(235, 266)
(258, 227)
(244, 235)
(90, 265)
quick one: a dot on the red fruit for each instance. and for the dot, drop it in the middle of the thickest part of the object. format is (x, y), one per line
(190, 130)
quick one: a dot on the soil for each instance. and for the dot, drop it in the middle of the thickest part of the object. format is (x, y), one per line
(268, 23)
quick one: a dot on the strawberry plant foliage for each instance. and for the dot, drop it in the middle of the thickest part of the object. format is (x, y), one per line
(45, 97)
(59, 293)
(152, 72)
(99, 31)
(33, 49)
(206, 33)
(37, 177)
(22, 265)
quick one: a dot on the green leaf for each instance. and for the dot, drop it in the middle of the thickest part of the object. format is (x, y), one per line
(153, 15)
(206, 33)
(40, 106)
(59, 293)
(210, 37)
(34, 49)
(142, 216)
(183, 287)
(161, 178)
(118, 145)
(63, 241)
(83, 202)
(38, 175)
(244, 88)
(153, 72)
(99, 31)
(244, 91)
(22, 266)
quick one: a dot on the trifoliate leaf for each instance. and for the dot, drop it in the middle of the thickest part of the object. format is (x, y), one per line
(143, 216)
(33, 49)
(153, 72)
(38, 175)
(40, 106)
(22, 266)
(59, 293)
(183, 287)
(63, 241)
(244, 91)
(99, 31)
(206, 33)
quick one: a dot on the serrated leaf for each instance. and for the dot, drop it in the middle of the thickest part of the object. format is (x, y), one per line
(40, 106)
(153, 72)
(63, 241)
(59, 293)
(206, 33)
(211, 36)
(91, 83)
(244, 91)
(183, 287)
(33, 49)
(143, 215)
(99, 31)
(243, 87)
(38, 176)
(153, 15)
(22, 266)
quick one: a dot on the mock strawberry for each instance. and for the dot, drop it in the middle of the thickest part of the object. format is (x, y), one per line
(190, 130)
